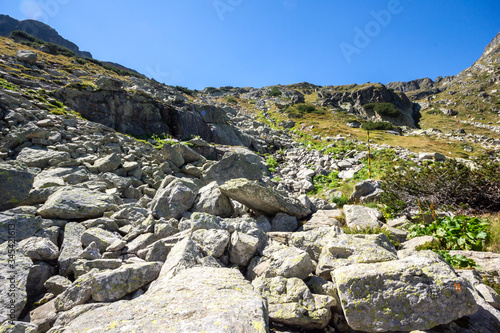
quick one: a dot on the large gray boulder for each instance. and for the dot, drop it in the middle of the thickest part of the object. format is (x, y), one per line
(292, 303)
(202, 299)
(414, 293)
(17, 181)
(42, 158)
(212, 242)
(107, 285)
(288, 262)
(27, 56)
(210, 200)
(242, 163)
(101, 237)
(174, 199)
(71, 247)
(38, 248)
(14, 270)
(77, 203)
(347, 250)
(362, 217)
(262, 199)
(25, 225)
(312, 241)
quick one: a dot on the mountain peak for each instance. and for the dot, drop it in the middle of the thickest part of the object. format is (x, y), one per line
(39, 30)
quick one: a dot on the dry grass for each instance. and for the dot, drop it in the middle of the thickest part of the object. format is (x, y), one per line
(494, 232)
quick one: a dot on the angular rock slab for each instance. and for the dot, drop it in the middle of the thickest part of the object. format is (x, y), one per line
(17, 182)
(195, 300)
(77, 203)
(292, 303)
(14, 270)
(415, 293)
(263, 199)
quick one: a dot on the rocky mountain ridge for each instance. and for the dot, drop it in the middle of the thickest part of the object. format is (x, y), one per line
(39, 30)
(120, 234)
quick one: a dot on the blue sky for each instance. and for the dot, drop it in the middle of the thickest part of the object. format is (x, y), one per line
(200, 43)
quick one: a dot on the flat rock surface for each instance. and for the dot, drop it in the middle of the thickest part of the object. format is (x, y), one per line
(201, 299)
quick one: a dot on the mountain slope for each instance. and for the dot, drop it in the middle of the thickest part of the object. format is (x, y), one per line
(39, 30)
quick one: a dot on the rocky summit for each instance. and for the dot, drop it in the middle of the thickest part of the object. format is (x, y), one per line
(130, 206)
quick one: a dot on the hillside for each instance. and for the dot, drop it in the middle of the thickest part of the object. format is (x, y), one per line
(39, 30)
(128, 205)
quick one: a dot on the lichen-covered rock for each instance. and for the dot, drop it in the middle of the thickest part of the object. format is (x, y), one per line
(242, 248)
(108, 163)
(323, 218)
(38, 274)
(101, 237)
(284, 222)
(174, 199)
(185, 254)
(362, 217)
(14, 270)
(18, 225)
(242, 163)
(42, 158)
(212, 242)
(347, 250)
(111, 285)
(211, 200)
(77, 203)
(417, 242)
(71, 247)
(81, 266)
(312, 241)
(289, 262)
(203, 299)
(18, 327)
(415, 293)
(17, 181)
(44, 316)
(292, 303)
(57, 284)
(38, 248)
(263, 199)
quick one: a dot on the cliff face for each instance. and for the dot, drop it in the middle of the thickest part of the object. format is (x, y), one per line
(39, 30)
(354, 98)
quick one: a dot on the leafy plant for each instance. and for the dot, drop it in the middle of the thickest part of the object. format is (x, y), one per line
(272, 163)
(329, 182)
(455, 233)
(456, 261)
(341, 201)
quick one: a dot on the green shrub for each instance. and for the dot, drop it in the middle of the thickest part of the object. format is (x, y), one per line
(272, 163)
(184, 90)
(230, 99)
(376, 126)
(450, 185)
(383, 109)
(329, 182)
(275, 92)
(212, 90)
(455, 233)
(304, 108)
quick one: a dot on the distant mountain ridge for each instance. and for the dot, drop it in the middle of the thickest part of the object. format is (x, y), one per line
(39, 30)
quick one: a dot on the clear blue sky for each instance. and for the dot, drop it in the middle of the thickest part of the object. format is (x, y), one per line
(200, 43)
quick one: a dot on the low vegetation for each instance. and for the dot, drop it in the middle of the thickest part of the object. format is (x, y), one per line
(449, 185)
(383, 109)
